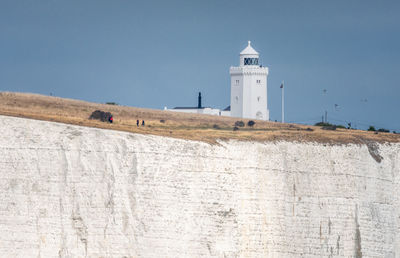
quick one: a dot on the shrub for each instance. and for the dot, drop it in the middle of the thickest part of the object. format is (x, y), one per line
(251, 123)
(235, 128)
(323, 124)
(215, 126)
(100, 115)
(162, 121)
(383, 130)
(239, 124)
(371, 128)
(329, 127)
(112, 103)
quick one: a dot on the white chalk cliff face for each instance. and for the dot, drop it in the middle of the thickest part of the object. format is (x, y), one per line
(73, 191)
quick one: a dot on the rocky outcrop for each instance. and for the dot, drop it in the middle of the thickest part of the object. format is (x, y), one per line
(72, 191)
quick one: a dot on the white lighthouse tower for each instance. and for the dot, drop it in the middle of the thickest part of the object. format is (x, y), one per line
(249, 87)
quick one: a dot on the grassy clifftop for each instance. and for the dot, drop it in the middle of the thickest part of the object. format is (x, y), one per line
(178, 125)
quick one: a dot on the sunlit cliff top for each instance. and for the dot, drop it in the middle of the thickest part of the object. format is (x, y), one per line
(172, 124)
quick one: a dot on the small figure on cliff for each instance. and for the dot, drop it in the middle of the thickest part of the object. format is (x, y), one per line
(142, 122)
(110, 119)
(137, 123)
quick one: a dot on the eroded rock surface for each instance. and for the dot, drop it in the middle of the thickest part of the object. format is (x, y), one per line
(73, 191)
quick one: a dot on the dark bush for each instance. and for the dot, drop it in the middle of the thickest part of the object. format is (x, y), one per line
(371, 128)
(215, 126)
(329, 127)
(112, 103)
(251, 123)
(309, 129)
(235, 128)
(162, 121)
(100, 115)
(383, 130)
(239, 123)
(323, 124)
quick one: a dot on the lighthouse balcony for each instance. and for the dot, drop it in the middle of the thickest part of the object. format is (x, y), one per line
(248, 70)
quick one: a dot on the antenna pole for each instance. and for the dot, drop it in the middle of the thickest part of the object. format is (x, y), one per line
(326, 116)
(283, 102)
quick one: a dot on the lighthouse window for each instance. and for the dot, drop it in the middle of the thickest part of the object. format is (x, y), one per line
(258, 81)
(237, 82)
(251, 61)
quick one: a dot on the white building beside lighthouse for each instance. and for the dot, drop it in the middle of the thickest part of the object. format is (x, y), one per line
(249, 87)
(248, 90)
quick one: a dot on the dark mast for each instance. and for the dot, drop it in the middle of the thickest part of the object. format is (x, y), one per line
(199, 102)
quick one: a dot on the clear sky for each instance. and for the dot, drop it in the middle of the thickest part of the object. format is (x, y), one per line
(162, 53)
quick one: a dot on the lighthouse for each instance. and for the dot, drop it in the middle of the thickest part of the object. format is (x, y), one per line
(249, 86)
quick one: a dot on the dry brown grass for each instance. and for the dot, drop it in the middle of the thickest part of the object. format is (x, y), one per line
(178, 125)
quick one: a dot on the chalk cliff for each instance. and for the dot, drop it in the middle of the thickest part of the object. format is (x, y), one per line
(72, 191)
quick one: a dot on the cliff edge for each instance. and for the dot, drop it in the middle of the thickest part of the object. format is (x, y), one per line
(206, 128)
(73, 191)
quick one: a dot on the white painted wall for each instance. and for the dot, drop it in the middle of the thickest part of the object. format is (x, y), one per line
(225, 113)
(236, 92)
(205, 111)
(211, 111)
(192, 111)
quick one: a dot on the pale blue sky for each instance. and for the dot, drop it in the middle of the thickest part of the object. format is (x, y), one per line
(161, 53)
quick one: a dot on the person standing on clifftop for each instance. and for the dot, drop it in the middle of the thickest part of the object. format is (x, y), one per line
(142, 122)
(110, 119)
(137, 123)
